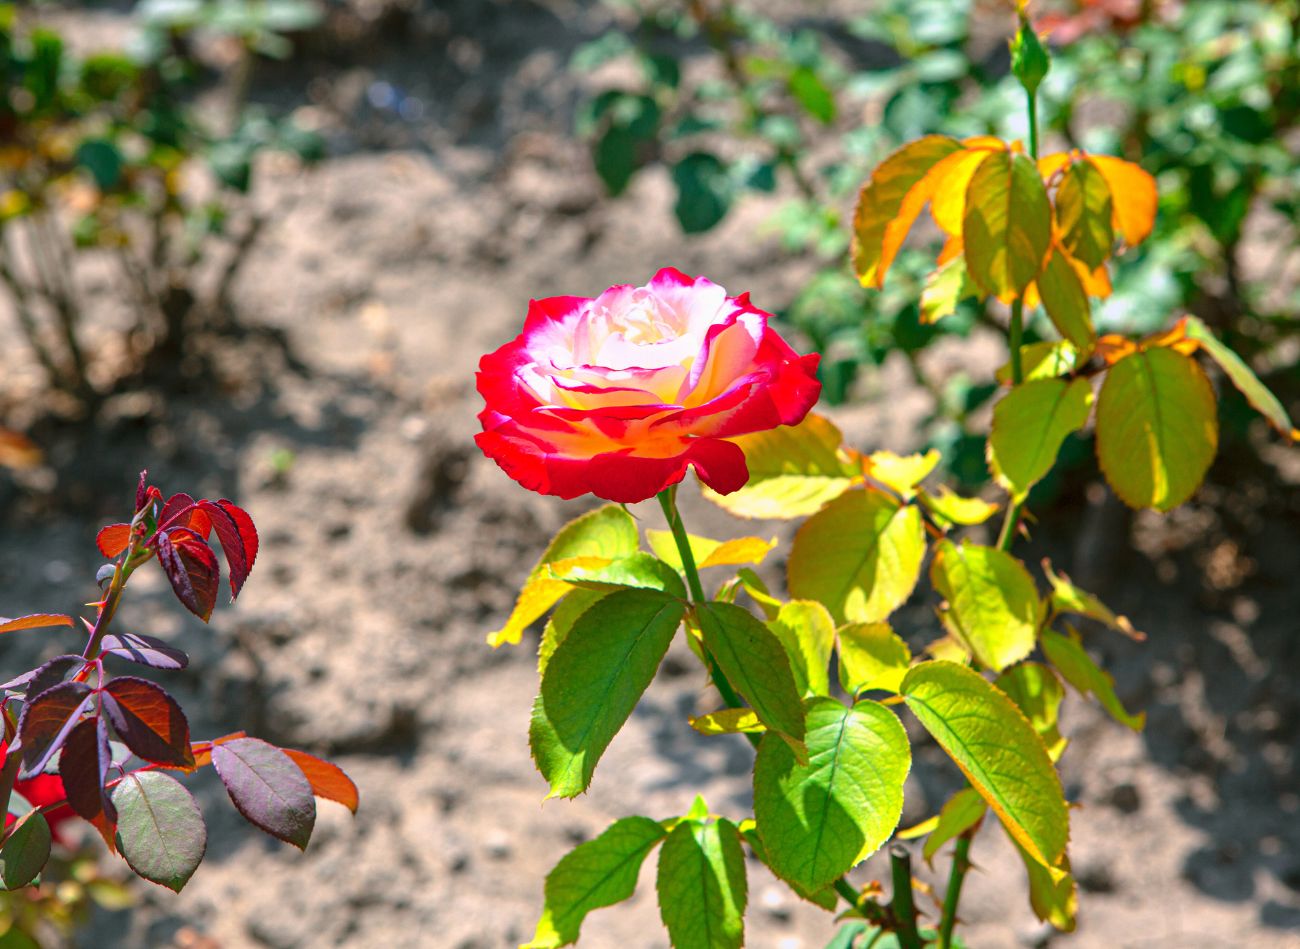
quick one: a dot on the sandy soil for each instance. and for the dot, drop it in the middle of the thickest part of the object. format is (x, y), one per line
(389, 548)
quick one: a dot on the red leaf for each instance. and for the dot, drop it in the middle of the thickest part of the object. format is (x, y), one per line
(113, 539)
(34, 621)
(327, 780)
(84, 769)
(46, 722)
(232, 543)
(191, 566)
(246, 529)
(142, 491)
(149, 722)
(176, 504)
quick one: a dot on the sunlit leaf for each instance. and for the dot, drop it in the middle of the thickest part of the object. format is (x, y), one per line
(997, 749)
(826, 897)
(729, 721)
(149, 721)
(606, 533)
(640, 570)
(1157, 428)
(963, 811)
(710, 553)
(944, 288)
(1007, 225)
(46, 721)
(807, 632)
(1241, 376)
(327, 780)
(946, 506)
(1083, 213)
(756, 664)
(601, 872)
(1077, 668)
(901, 473)
(881, 201)
(872, 656)
(860, 556)
(793, 471)
(993, 605)
(268, 788)
(113, 539)
(593, 681)
(160, 831)
(144, 650)
(1053, 894)
(1133, 195)
(34, 621)
(818, 820)
(561, 621)
(1030, 424)
(1048, 359)
(702, 886)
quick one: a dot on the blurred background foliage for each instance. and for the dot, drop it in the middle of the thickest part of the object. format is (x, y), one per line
(1204, 94)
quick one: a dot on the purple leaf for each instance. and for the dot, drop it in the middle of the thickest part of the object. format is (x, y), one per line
(149, 722)
(46, 722)
(51, 673)
(146, 650)
(84, 766)
(191, 567)
(267, 788)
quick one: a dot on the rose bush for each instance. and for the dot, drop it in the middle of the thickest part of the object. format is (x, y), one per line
(618, 395)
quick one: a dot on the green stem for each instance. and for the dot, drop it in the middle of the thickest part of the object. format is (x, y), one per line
(1033, 123)
(960, 864)
(902, 906)
(1016, 336)
(668, 501)
(845, 889)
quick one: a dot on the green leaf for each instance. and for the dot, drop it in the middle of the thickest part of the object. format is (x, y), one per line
(963, 811)
(26, 850)
(807, 632)
(826, 897)
(160, 830)
(1078, 669)
(702, 886)
(640, 570)
(997, 749)
(1241, 376)
(993, 605)
(1007, 226)
(561, 622)
(813, 94)
(818, 820)
(593, 681)
(755, 662)
(704, 191)
(944, 289)
(881, 200)
(604, 534)
(1066, 303)
(860, 556)
(1038, 693)
(1029, 426)
(872, 656)
(1157, 428)
(793, 471)
(1084, 214)
(1068, 598)
(103, 160)
(1053, 894)
(600, 872)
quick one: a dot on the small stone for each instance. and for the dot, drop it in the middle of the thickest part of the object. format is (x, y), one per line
(1095, 878)
(498, 845)
(774, 903)
(1125, 798)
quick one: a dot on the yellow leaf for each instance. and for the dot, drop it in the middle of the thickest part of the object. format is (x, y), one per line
(872, 656)
(946, 506)
(1133, 194)
(952, 177)
(1030, 424)
(1157, 428)
(1049, 165)
(1241, 376)
(944, 289)
(1007, 227)
(728, 721)
(901, 473)
(793, 471)
(708, 552)
(993, 605)
(881, 200)
(1068, 598)
(1043, 360)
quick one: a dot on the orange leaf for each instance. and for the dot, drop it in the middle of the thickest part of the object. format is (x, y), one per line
(203, 749)
(954, 174)
(1049, 165)
(952, 247)
(1112, 348)
(1133, 192)
(1096, 283)
(881, 201)
(326, 780)
(34, 621)
(113, 539)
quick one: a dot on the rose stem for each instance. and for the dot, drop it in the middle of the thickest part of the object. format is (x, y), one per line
(904, 910)
(668, 501)
(960, 864)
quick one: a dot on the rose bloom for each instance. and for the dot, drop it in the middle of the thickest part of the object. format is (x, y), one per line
(617, 396)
